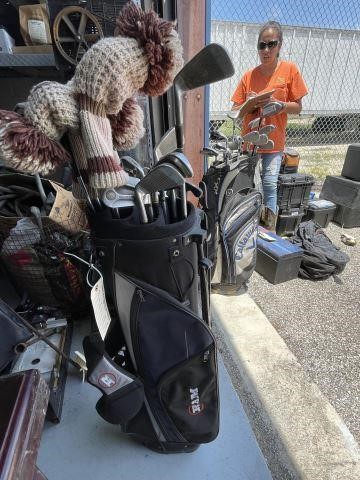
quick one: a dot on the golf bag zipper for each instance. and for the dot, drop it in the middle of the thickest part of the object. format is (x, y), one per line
(150, 392)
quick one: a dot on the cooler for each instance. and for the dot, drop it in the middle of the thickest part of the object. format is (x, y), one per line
(320, 211)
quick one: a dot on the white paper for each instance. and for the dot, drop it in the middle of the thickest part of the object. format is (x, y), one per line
(37, 31)
(101, 311)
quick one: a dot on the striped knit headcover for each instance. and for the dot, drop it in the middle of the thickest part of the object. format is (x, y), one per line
(97, 107)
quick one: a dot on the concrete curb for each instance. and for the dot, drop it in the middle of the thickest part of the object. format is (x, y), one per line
(316, 444)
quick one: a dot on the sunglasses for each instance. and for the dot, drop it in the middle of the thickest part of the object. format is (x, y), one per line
(270, 45)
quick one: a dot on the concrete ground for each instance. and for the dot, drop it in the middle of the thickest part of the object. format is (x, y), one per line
(320, 323)
(300, 433)
(85, 447)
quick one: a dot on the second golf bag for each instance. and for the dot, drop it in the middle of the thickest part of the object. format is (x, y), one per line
(232, 207)
(164, 390)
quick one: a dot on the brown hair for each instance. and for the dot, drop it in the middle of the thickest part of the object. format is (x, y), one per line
(275, 26)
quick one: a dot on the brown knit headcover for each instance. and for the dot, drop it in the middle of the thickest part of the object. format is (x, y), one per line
(101, 112)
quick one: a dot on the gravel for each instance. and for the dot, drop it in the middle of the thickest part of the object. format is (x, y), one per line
(320, 323)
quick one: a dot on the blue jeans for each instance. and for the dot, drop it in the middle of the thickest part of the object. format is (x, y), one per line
(271, 163)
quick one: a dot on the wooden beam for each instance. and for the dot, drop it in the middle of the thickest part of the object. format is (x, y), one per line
(191, 16)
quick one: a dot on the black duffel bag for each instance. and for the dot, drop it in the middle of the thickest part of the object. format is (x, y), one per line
(321, 257)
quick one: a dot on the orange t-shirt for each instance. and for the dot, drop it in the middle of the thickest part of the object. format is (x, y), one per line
(289, 86)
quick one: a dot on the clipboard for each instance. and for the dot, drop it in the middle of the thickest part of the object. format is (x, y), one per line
(250, 103)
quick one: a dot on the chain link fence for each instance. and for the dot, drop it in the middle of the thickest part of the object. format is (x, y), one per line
(323, 39)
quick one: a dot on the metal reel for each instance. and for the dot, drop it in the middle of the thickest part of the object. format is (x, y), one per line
(75, 30)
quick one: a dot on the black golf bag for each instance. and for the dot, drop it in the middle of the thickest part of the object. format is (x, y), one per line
(232, 206)
(162, 388)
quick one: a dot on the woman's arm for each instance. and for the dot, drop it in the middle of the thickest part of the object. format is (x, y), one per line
(292, 107)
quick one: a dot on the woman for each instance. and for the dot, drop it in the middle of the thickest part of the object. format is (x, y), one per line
(285, 78)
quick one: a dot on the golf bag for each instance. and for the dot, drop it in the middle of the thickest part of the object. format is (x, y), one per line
(232, 207)
(164, 390)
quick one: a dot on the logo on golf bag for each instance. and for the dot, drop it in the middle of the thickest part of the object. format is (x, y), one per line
(195, 406)
(107, 380)
(242, 244)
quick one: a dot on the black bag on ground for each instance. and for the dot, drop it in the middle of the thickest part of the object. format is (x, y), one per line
(321, 257)
(165, 395)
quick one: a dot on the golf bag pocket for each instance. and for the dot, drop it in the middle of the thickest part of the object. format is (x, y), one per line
(188, 393)
(239, 223)
(175, 356)
(122, 405)
(123, 392)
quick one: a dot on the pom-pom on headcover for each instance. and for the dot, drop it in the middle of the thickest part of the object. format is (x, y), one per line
(25, 147)
(159, 42)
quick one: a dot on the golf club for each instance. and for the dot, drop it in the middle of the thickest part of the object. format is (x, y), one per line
(166, 145)
(267, 129)
(132, 167)
(210, 65)
(161, 177)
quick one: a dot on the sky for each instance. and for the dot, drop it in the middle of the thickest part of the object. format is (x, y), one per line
(338, 14)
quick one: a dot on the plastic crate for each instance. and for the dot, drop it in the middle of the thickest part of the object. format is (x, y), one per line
(288, 221)
(321, 212)
(293, 191)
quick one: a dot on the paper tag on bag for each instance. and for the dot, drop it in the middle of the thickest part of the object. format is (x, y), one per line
(37, 31)
(101, 311)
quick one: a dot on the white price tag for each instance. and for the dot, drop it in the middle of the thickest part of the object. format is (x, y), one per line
(101, 311)
(37, 31)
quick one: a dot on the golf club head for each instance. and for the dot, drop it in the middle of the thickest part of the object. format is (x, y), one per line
(110, 194)
(268, 146)
(180, 161)
(209, 152)
(233, 114)
(262, 140)
(267, 129)
(210, 65)
(254, 123)
(216, 135)
(114, 198)
(166, 145)
(271, 108)
(161, 177)
(132, 167)
(251, 137)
